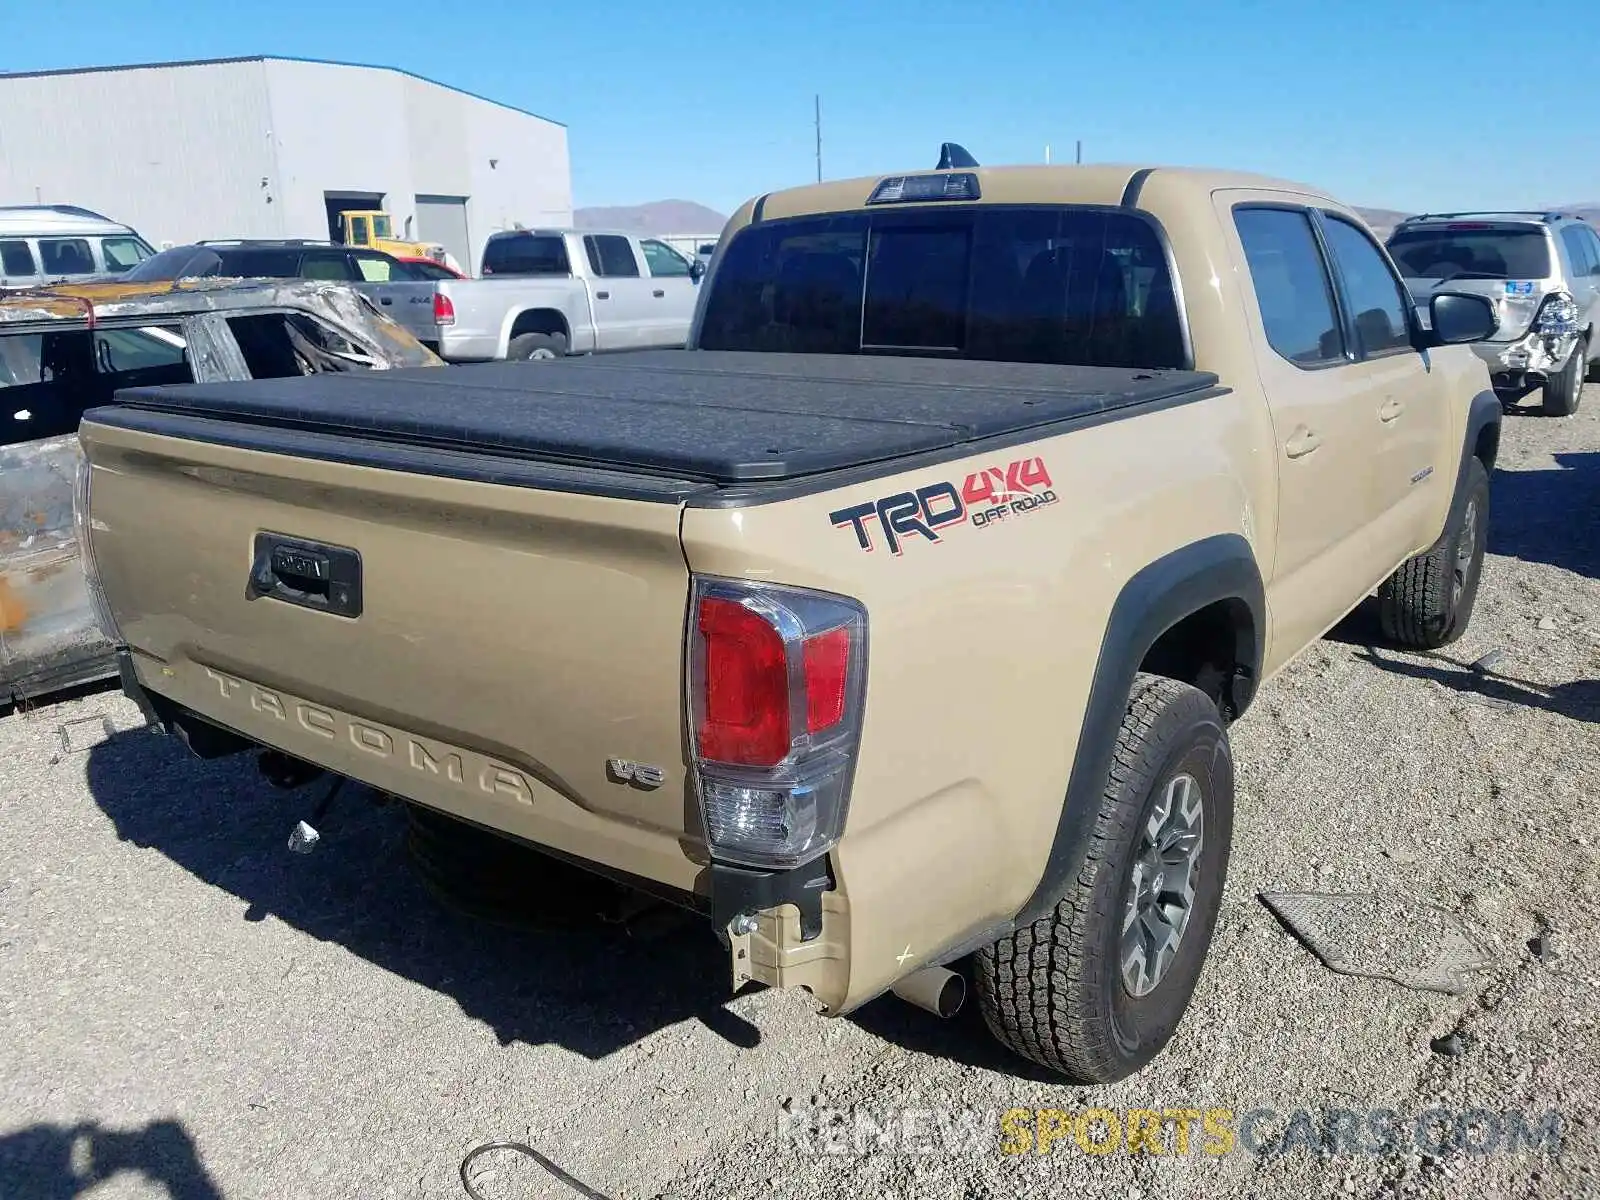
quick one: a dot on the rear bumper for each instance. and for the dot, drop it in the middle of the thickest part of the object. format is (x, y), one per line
(1532, 358)
(464, 345)
(800, 914)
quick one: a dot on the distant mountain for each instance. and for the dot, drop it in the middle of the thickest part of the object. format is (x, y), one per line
(658, 217)
(1382, 220)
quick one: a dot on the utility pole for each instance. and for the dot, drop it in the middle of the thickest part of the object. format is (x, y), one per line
(1080, 151)
(819, 137)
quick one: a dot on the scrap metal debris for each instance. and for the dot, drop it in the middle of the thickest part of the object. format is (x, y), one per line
(1415, 945)
(85, 734)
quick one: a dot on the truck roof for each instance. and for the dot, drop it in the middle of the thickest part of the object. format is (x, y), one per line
(33, 220)
(1096, 184)
(718, 417)
(565, 230)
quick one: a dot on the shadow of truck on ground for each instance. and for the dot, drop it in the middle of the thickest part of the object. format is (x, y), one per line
(591, 987)
(1549, 516)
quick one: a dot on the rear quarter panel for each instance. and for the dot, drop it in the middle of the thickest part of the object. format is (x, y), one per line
(981, 649)
(487, 311)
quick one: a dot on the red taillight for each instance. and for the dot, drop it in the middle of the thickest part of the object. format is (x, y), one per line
(444, 309)
(825, 661)
(777, 679)
(746, 713)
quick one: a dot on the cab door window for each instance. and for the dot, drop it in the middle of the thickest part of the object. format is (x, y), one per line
(1377, 303)
(1291, 285)
(663, 260)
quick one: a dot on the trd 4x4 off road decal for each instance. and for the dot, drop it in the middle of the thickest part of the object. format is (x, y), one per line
(985, 497)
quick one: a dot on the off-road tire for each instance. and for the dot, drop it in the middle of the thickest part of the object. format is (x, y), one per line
(1563, 391)
(1420, 606)
(1053, 991)
(537, 346)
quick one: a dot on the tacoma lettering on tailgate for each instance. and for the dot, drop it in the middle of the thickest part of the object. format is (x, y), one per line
(986, 496)
(401, 750)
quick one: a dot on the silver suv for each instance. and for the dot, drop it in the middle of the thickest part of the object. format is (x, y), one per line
(1542, 271)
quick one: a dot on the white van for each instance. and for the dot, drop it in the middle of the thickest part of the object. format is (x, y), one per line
(41, 244)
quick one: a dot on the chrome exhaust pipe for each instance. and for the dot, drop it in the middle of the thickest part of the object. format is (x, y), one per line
(938, 990)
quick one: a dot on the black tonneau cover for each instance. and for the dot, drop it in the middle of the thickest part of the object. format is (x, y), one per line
(723, 418)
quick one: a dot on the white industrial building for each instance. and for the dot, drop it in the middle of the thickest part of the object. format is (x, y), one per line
(270, 147)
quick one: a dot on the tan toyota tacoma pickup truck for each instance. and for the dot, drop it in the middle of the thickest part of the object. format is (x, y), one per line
(897, 624)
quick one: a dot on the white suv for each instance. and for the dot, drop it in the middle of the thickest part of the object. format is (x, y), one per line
(1541, 270)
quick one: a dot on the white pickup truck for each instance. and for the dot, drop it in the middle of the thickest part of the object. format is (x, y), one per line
(545, 293)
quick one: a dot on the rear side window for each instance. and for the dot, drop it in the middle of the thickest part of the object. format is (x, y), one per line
(259, 264)
(1469, 250)
(1579, 250)
(1593, 238)
(1291, 285)
(1376, 300)
(66, 256)
(1058, 285)
(327, 266)
(526, 254)
(611, 256)
(16, 258)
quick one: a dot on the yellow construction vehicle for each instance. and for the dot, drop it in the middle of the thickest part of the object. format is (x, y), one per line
(374, 230)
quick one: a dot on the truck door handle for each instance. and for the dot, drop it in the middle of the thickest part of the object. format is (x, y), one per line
(385, 300)
(1302, 443)
(658, 293)
(602, 295)
(1391, 409)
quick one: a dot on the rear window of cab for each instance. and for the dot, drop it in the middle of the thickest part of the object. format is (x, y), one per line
(1073, 285)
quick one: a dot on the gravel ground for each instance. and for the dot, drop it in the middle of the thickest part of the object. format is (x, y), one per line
(192, 1011)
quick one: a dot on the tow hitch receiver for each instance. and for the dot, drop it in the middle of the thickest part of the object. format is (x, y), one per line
(305, 836)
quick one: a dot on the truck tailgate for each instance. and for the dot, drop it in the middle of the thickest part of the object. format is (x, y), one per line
(511, 640)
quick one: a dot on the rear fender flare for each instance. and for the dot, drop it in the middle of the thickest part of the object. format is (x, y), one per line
(1221, 567)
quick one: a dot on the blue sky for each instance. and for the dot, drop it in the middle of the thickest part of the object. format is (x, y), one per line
(1389, 104)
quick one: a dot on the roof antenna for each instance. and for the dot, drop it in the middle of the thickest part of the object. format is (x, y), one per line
(952, 155)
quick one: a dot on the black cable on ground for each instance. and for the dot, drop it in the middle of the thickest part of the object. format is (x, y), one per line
(576, 1185)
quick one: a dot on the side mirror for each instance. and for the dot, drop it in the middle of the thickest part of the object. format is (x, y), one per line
(696, 269)
(1459, 317)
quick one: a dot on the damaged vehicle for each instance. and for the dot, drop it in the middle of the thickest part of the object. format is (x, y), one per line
(70, 348)
(1542, 272)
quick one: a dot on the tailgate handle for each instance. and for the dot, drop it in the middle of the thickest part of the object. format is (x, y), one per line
(308, 574)
(386, 300)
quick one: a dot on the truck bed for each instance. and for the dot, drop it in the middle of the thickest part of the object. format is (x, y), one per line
(702, 419)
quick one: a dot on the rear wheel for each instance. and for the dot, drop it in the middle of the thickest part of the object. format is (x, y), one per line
(1096, 989)
(1427, 603)
(537, 346)
(1563, 391)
